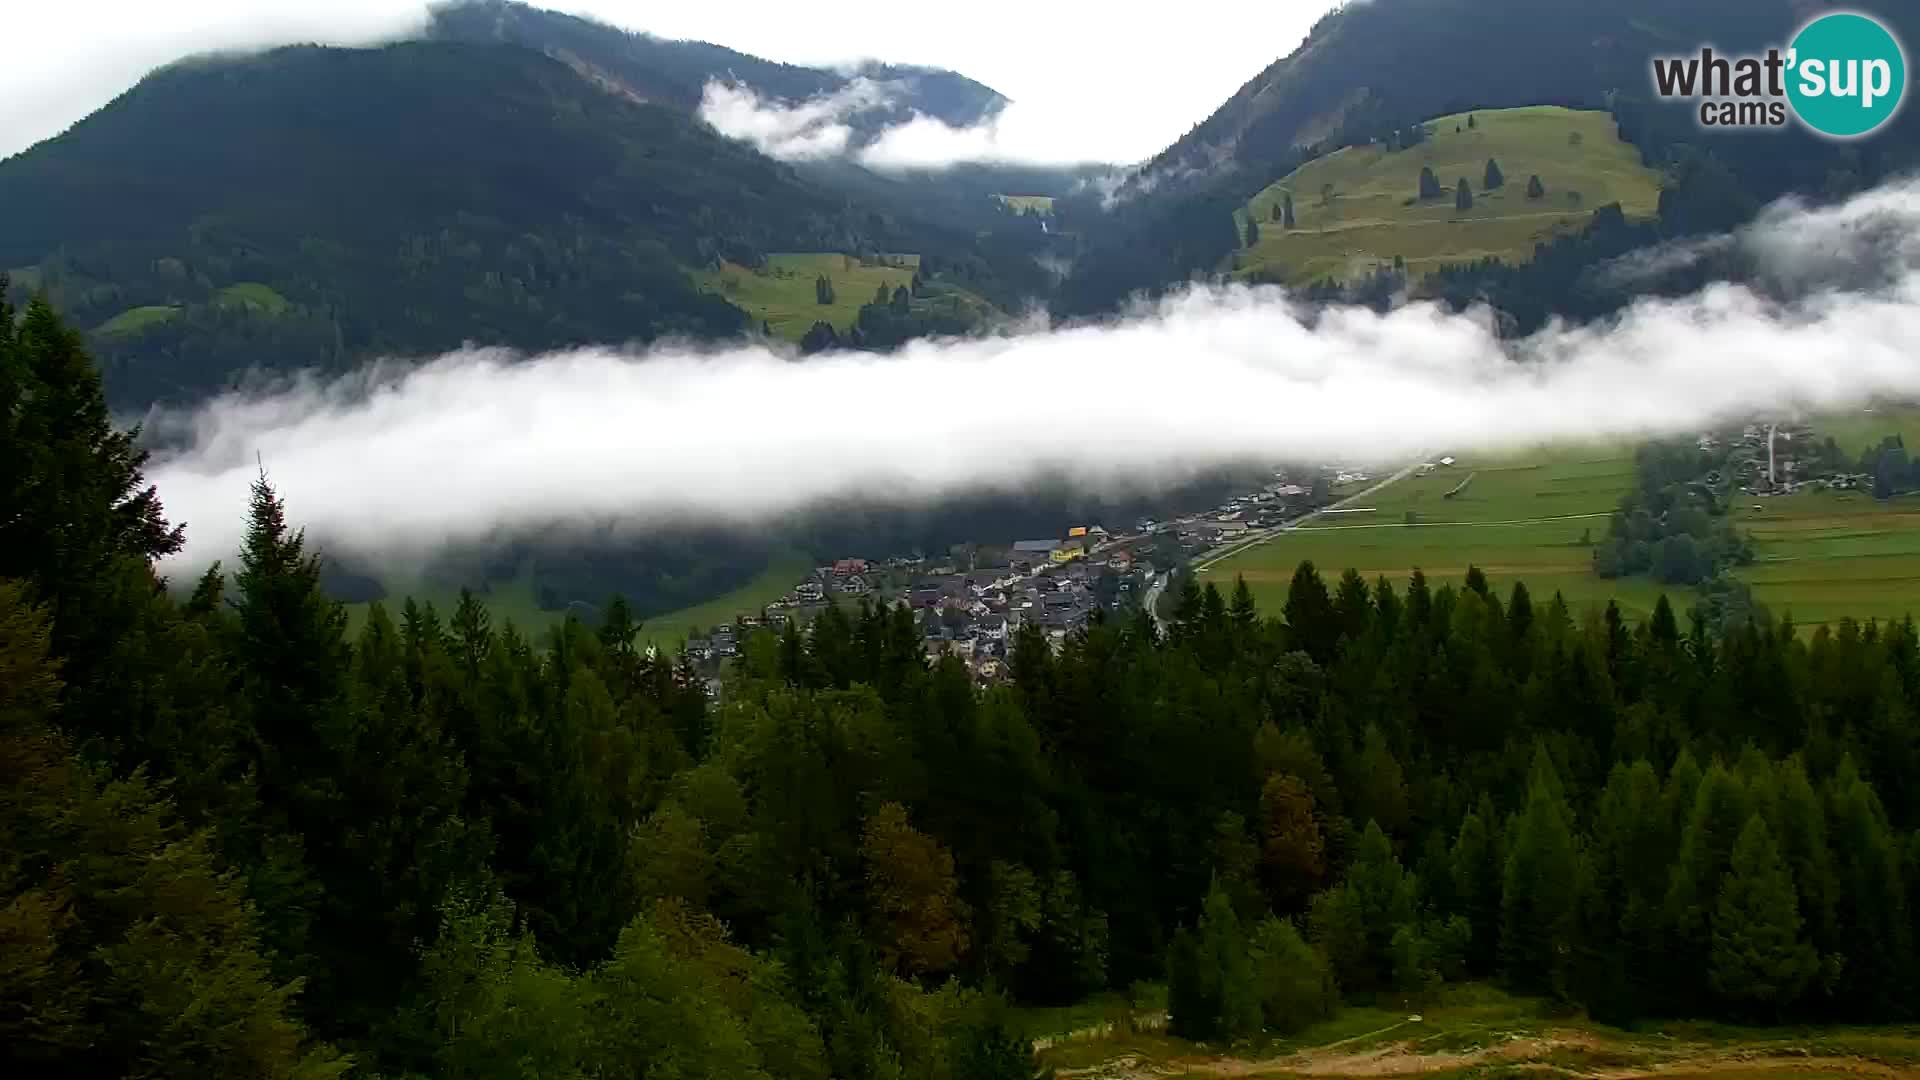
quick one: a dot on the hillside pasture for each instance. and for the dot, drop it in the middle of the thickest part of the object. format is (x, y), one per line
(1357, 209)
(781, 294)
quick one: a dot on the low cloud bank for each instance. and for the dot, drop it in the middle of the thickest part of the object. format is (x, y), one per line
(820, 127)
(392, 461)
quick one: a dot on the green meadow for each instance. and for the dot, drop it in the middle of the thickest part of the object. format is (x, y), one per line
(781, 294)
(134, 320)
(1521, 517)
(1819, 555)
(1042, 203)
(1356, 209)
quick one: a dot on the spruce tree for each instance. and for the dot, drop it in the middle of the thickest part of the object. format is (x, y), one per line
(1539, 889)
(1211, 987)
(1535, 189)
(1494, 178)
(1760, 962)
(1462, 195)
(1478, 868)
(1429, 184)
(1252, 231)
(1286, 209)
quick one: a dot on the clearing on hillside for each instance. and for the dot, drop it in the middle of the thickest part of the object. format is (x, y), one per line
(254, 296)
(782, 293)
(1022, 203)
(1357, 209)
(134, 320)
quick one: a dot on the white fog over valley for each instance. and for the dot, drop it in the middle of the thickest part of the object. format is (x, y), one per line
(395, 460)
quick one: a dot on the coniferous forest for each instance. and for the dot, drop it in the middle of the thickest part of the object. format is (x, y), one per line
(237, 841)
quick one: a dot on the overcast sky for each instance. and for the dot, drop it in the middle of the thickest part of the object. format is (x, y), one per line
(1102, 82)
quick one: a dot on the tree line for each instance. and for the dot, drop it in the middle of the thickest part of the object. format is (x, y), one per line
(239, 838)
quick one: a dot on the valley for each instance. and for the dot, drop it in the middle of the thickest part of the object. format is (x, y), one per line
(974, 620)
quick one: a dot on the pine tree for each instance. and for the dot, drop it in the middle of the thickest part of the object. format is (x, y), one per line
(1462, 196)
(1429, 184)
(1286, 209)
(1472, 122)
(1539, 889)
(1356, 920)
(1760, 961)
(1274, 214)
(1494, 178)
(881, 295)
(1242, 613)
(1292, 845)
(823, 289)
(1292, 979)
(1536, 189)
(126, 950)
(1211, 987)
(1312, 626)
(1478, 868)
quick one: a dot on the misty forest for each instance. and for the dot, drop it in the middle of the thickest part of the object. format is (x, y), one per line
(282, 818)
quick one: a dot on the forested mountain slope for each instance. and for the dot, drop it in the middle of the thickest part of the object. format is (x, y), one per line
(1372, 68)
(674, 73)
(309, 206)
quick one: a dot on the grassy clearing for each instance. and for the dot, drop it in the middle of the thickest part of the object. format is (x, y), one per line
(1479, 1031)
(1827, 554)
(515, 601)
(1023, 203)
(669, 631)
(1369, 219)
(134, 320)
(782, 293)
(253, 296)
(1523, 517)
(1864, 430)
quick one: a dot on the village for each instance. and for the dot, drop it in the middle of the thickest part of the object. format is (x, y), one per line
(971, 602)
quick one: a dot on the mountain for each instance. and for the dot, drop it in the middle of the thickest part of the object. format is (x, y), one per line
(675, 73)
(1372, 68)
(308, 207)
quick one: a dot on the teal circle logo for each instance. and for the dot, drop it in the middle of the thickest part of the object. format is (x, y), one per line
(1847, 75)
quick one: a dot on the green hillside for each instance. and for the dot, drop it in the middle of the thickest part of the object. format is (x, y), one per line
(1358, 208)
(782, 293)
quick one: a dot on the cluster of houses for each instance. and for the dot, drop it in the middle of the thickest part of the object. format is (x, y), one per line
(971, 613)
(972, 605)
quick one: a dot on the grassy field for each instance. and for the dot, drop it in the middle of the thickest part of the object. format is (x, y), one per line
(782, 293)
(1864, 430)
(1371, 216)
(1520, 517)
(1826, 554)
(1478, 1031)
(133, 320)
(514, 600)
(670, 630)
(252, 294)
(506, 601)
(1042, 203)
